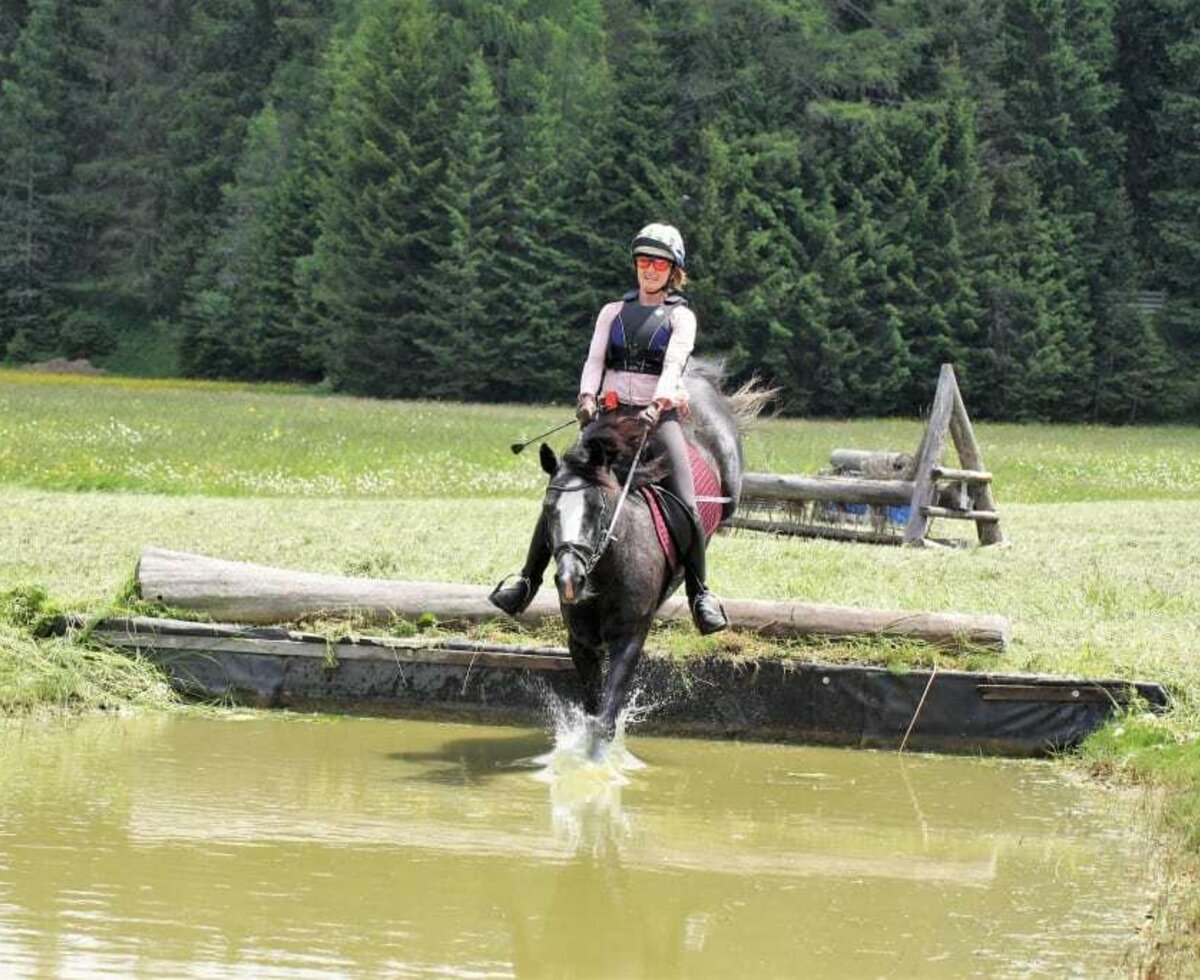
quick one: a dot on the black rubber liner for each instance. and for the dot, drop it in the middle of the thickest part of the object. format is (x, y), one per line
(769, 699)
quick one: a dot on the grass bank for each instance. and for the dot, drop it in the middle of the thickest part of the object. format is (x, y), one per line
(1100, 580)
(45, 672)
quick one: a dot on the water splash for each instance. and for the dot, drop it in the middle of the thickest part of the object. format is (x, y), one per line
(586, 777)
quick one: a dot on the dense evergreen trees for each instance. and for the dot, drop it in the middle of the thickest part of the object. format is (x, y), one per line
(431, 198)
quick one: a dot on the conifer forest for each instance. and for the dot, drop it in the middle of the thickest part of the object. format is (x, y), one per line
(433, 198)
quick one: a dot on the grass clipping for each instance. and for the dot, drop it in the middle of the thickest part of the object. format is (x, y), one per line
(41, 672)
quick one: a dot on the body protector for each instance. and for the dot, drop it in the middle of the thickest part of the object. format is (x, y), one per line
(638, 337)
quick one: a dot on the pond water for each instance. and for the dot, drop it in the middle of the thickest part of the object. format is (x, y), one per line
(295, 846)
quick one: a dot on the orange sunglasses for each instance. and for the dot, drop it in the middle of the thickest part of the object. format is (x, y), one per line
(650, 262)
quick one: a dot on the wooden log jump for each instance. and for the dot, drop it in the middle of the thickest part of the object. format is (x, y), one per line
(246, 593)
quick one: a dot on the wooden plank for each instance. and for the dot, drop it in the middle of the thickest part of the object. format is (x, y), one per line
(961, 515)
(836, 489)
(155, 626)
(830, 533)
(966, 476)
(932, 446)
(243, 592)
(971, 457)
(334, 651)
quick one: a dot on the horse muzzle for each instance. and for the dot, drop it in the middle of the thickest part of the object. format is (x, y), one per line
(570, 577)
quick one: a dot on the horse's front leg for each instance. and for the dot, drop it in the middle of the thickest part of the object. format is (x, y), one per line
(624, 652)
(583, 640)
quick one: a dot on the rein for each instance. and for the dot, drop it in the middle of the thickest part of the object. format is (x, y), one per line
(590, 561)
(610, 534)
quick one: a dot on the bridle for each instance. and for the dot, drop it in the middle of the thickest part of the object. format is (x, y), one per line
(590, 555)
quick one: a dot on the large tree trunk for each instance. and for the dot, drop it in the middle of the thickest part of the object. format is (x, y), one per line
(241, 592)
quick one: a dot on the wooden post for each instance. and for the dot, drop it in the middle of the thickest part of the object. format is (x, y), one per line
(971, 458)
(949, 417)
(930, 453)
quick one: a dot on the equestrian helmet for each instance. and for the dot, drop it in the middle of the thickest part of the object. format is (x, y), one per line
(663, 241)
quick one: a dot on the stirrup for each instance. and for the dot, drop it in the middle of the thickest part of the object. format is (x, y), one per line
(513, 599)
(708, 614)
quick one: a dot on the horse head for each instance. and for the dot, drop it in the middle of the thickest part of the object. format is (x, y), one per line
(578, 501)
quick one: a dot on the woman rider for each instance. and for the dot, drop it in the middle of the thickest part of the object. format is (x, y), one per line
(639, 349)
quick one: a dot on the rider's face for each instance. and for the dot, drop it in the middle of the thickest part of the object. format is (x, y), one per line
(652, 272)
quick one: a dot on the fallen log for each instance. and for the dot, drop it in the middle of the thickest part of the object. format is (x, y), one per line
(834, 489)
(246, 593)
(837, 489)
(872, 463)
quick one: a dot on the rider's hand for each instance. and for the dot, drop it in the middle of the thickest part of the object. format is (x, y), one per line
(586, 410)
(648, 416)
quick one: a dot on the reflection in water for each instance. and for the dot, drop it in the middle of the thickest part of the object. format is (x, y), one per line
(623, 937)
(304, 846)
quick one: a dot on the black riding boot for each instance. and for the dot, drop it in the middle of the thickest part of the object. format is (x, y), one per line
(514, 599)
(707, 613)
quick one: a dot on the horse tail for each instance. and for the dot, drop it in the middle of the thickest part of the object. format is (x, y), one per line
(746, 403)
(718, 420)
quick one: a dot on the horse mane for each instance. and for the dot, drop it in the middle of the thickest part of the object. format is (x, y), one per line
(605, 450)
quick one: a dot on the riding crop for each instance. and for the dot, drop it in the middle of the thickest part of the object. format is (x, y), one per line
(516, 447)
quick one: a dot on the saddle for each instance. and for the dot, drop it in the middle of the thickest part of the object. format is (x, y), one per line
(671, 522)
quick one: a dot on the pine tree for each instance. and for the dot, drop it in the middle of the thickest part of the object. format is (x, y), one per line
(1175, 201)
(559, 258)
(33, 170)
(379, 169)
(243, 318)
(463, 284)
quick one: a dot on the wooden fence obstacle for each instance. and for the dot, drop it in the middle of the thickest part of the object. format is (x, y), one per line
(884, 497)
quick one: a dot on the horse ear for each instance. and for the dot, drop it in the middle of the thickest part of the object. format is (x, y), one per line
(548, 459)
(599, 453)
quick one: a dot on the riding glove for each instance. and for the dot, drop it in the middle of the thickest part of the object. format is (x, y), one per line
(586, 410)
(648, 416)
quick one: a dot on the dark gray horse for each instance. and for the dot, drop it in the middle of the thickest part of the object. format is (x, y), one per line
(609, 593)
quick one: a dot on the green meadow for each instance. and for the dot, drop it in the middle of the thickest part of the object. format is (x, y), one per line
(1100, 578)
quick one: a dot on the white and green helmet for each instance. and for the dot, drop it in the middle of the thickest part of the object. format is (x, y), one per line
(663, 241)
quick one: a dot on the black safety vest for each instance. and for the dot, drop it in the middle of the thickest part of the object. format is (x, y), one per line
(638, 335)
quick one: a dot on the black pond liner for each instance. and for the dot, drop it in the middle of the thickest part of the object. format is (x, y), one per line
(713, 697)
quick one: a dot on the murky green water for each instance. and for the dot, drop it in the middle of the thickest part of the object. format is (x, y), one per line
(269, 845)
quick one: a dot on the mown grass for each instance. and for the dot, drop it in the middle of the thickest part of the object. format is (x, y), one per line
(45, 670)
(219, 439)
(1100, 580)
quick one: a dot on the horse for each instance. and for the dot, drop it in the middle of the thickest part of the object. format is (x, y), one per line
(610, 587)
